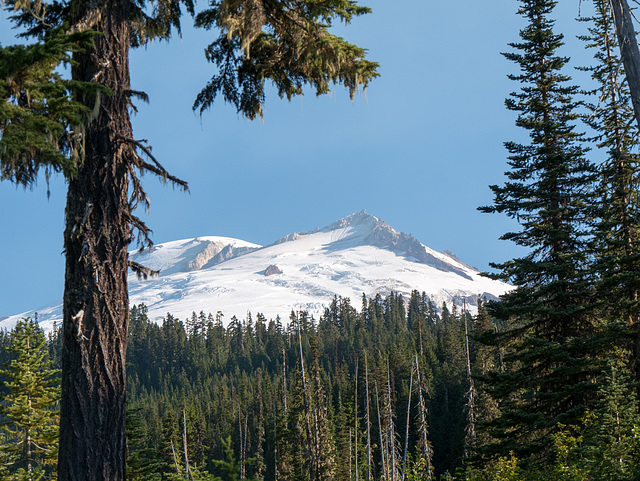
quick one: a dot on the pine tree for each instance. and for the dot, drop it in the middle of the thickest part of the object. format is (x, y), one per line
(486, 360)
(142, 462)
(617, 231)
(29, 408)
(549, 330)
(81, 127)
(611, 442)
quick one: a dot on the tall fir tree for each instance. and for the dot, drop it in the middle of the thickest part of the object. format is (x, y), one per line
(549, 330)
(30, 407)
(616, 238)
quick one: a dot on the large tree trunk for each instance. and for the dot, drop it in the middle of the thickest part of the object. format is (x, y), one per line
(629, 51)
(97, 234)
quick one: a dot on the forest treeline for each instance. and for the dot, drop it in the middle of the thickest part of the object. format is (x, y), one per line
(307, 399)
(393, 389)
(357, 394)
(540, 385)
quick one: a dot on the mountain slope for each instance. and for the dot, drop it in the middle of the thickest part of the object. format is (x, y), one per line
(302, 271)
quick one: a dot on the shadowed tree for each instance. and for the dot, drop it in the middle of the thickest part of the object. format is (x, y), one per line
(81, 127)
(616, 234)
(549, 335)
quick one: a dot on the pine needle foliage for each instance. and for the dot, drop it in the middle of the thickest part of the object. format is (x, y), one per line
(286, 42)
(30, 417)
(550, 337)
(41, 123)
(616, 232)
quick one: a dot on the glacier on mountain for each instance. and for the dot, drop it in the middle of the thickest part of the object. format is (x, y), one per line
(357, 255)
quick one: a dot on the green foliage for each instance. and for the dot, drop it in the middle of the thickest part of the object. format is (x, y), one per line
(610, 442)
(142, 464)
(616, 230)
(417, 469)
(41, 124)
(551, 338)
(29, 407)
(286, 42)
(503, 469)
(245, 381)
(229, 465)
(604, 445)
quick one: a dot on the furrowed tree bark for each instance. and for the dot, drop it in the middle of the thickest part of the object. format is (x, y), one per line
(629, 50)
(97, 234)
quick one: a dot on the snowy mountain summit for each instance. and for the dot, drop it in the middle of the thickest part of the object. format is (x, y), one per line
(302, 271)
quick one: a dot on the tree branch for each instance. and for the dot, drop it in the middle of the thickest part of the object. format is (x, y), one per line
(156, 167)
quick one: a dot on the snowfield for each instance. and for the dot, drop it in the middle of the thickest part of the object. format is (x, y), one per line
(355, 255)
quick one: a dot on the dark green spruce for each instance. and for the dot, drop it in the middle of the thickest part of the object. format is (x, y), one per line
(616, 213)
(549, 337)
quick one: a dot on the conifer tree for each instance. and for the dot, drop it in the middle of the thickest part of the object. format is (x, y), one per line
(617, 231)
(612, 441)
(29, 409)
(548, 329)
(142, 462)
(323, 445)
(424, 447)
(81, 127)
(485, 361)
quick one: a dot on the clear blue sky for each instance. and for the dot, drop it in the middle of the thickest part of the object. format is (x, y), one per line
(418, 150)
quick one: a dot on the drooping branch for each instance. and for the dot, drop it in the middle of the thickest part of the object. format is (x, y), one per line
(155, 167)
(287, 43)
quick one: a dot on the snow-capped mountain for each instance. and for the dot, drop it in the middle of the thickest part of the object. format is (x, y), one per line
(302, 271)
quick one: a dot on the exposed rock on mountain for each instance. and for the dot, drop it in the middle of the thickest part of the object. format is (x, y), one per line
(272, 270)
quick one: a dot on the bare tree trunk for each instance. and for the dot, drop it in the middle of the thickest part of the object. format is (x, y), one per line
(406, 433)
(423, 424)
(27, 443)
(629, 50)
(96, 238)
(284, 384)
(470, 440)
(184, 442)
(366, 380)
(391, 432)
(307, 416)
(355, 423)
(175, 458)
(243, 444)
(382, 446)
(350, 454)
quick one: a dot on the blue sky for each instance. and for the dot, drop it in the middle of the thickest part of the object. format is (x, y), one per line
(417, 150)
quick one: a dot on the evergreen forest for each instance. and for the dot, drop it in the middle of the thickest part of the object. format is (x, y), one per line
(364, 393)
(539, 385)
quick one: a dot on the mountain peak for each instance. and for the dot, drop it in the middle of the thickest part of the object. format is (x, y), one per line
(303, 271)
(363, 229)
(357, 219)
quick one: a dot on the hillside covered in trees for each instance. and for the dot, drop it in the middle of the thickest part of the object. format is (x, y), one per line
(357, 394)
(391, 390)
(542, 384)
